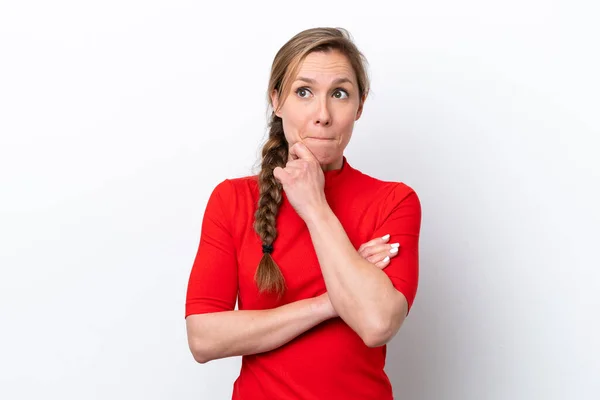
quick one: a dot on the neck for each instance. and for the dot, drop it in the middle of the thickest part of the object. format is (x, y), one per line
(333, 166)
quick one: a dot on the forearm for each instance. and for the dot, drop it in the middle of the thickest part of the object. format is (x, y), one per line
(361, 293)
(242, 332)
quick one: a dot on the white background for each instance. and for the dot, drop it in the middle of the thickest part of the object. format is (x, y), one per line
(118, 118)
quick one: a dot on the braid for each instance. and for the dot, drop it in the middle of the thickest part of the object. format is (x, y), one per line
(268, 276)
(284, 69)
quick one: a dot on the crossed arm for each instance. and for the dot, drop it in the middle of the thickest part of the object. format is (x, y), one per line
(368, 299)
(242, 332)
(362, 294)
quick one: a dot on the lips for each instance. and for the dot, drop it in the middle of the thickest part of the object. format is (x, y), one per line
(316, 138)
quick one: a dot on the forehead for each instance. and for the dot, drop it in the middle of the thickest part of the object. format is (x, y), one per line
(326, 66)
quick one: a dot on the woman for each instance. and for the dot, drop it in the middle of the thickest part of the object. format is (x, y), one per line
(322, 258)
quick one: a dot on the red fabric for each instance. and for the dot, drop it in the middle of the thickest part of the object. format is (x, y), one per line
(329, 361)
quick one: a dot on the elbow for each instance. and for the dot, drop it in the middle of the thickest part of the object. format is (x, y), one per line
(384, 328)
(199, 353)
(378, 336)
(199, 343)
(200, 359)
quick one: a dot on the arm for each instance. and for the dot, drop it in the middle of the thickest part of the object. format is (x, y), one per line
(361, 293)
(257, 331)
(372, 302)
(241, 332)
(214, 329)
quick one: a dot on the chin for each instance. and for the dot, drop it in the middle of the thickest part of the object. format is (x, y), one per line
(324, 156)
(327, 159)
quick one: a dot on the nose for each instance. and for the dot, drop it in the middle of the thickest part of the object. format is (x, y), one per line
(322, 115)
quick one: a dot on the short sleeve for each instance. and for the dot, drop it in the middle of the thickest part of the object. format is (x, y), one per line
(402, 220)
(213, 282)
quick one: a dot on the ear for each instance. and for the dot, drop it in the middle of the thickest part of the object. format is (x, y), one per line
(360, 107)
(275, 102)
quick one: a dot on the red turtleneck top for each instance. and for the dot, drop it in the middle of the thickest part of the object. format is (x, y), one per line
(329, 361)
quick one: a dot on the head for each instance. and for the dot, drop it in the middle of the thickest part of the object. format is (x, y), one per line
(317, 89)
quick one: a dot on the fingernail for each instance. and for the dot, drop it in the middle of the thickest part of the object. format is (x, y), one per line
(395, 245)
(386, 259)
(394, 250)
(386, 237)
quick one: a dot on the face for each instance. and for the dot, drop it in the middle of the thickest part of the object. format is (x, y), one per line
(321, 107)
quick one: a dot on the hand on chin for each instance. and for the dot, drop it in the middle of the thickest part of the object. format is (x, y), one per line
(321, 150)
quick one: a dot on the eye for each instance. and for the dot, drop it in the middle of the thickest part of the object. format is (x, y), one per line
(302, 92)
(339, 93)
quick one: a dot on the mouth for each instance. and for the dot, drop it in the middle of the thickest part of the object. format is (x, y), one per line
(321, 139)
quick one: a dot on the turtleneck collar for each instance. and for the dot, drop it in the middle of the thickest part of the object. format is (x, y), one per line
(332, 177)
(335, 176)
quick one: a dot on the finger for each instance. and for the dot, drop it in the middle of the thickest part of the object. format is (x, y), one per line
(375, 241)
(299, 150)
(369, 251)
(281, 175)
(294, 165)
(380, 255)
(383, 263)
(290, 172)
(380, 249)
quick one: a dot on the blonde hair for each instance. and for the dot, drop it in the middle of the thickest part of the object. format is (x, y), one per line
(285, 67)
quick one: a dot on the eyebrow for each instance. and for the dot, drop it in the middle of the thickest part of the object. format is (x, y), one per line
(335, 82)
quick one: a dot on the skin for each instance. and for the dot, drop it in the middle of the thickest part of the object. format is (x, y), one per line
(321, 113)
(318, 119)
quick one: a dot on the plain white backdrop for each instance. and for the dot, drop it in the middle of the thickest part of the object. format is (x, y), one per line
(118, 118)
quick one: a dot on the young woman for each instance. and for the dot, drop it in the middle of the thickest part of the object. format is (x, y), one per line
(322, 258)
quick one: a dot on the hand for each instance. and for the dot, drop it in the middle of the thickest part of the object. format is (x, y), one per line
(303, 181)
(378, 252)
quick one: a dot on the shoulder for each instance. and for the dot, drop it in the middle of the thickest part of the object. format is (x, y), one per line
(242, 187)
(244, 180)
(393, 203)
(231, 186)
(236, 193)
(389, 191)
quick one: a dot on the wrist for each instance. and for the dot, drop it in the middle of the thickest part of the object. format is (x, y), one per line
(318, 216)
(322, 306)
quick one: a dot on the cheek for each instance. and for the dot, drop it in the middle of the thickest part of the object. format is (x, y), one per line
(346, 124)
(346, 128)
(294, 124)
(346, 138)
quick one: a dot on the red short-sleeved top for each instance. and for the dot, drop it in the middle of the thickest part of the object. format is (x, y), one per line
(329, 361)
